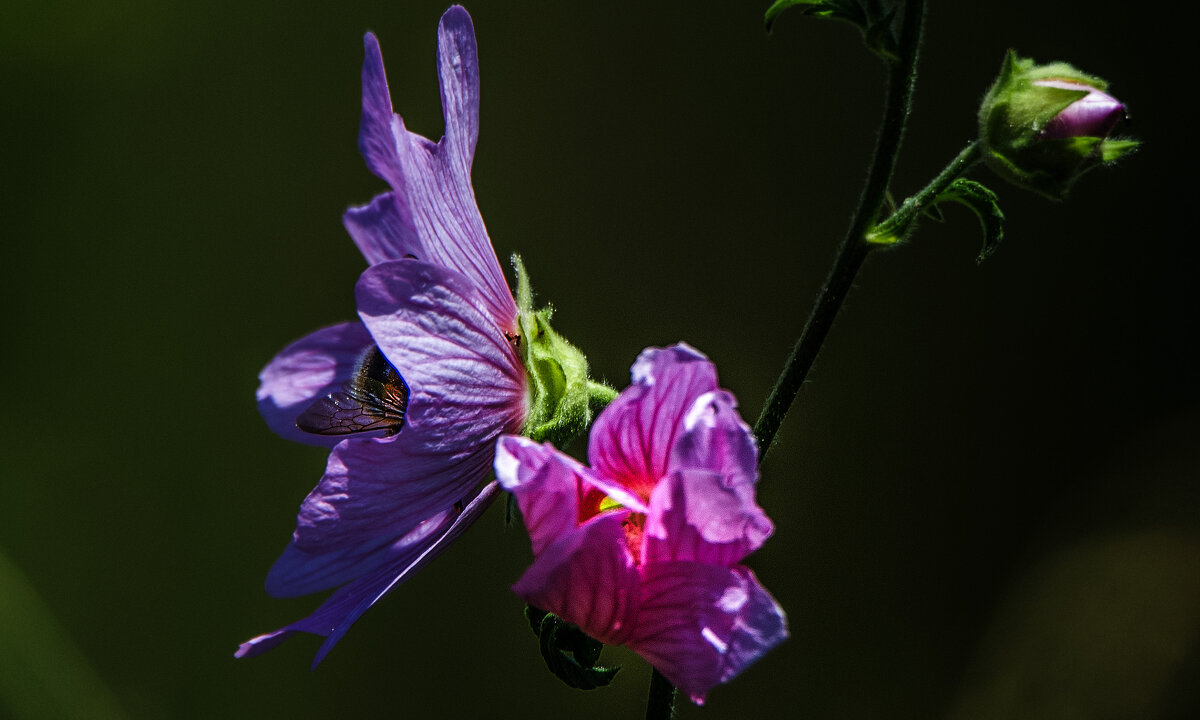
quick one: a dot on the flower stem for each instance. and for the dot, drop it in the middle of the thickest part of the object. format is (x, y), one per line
(660, 701)
(855, 248)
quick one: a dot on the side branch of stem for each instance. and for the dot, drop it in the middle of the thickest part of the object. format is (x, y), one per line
(896, 227)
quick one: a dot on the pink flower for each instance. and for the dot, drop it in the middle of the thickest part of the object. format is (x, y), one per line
(642, 549)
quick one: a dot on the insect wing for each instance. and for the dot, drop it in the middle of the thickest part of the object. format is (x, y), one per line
(375, 399)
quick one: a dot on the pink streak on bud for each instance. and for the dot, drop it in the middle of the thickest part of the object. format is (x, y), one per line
(1093, 115)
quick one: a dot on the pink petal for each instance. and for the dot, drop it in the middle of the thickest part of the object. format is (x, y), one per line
(715, 438)
(632, 440)
(695, 516)
(545, 484)
(309, 368)
(587, 577)
(550, 488)
(700, 625)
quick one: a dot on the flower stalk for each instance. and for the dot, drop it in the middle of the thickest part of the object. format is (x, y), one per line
(855, 246)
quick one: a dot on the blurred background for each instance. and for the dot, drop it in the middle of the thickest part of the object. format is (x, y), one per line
(986, 498)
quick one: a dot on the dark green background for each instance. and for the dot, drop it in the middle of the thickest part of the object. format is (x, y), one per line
(987, 498)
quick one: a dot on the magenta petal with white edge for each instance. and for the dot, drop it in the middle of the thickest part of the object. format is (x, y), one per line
(632, 439)
(548, 486)
(432, 181)
(694, 516)
(587, 577)
(545, 484)
(306, 370)
(700, 625)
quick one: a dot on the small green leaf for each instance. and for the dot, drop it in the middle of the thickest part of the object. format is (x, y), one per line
(849, 10)
(986, 206)
(934, 213)
(879, 36)
(569, 653)
(1112, 150)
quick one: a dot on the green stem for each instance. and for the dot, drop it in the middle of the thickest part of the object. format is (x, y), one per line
(897, 226)
(855, 247)
(660, 701)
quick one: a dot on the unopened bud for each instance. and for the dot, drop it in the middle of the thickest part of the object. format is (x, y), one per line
(1042, 126)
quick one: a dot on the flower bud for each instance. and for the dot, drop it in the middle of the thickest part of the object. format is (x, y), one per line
(1042, 126)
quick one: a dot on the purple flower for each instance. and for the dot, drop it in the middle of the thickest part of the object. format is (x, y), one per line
(642, 548)
(412, 397)
(1093, 115)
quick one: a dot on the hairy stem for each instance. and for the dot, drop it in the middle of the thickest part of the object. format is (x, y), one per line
(660, 701)
(855, 248)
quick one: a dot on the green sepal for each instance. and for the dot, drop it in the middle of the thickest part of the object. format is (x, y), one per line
(986, 206)
(561, 397)
(874, 23)
(1051, 167)
(569, 653)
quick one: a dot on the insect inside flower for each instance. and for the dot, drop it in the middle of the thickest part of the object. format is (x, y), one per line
(375, 398)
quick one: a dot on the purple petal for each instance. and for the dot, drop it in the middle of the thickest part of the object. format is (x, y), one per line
(587, 577)
(458, 71)
(383, 230)
(374, 493)
(459, 366)
(335, 616)
(715, 438)
(695, 516)
(700, 625)
(377, 136)
(632, 440)
(434, 217)
(1095, 114)
(309, 368)
(466, 388)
